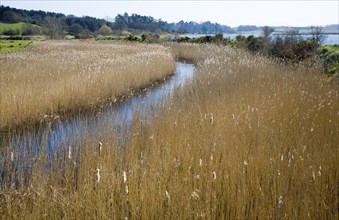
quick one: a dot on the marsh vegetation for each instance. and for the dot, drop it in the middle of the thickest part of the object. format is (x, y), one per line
(247, 138)
(62, 77)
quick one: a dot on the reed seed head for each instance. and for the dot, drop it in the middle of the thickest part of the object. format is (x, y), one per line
(98, 175)
(12, 156)
(124, 176)
(214, 175)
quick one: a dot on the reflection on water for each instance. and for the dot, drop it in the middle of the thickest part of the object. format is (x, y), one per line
(54, 140)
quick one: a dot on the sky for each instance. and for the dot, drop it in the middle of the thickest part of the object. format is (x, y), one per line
(227, 12)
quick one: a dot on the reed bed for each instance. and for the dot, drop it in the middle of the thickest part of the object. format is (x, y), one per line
(52, 79)
(249, 138)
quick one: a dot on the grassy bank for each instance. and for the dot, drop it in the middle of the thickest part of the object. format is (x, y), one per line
(14, 27)
(55, 78)
(10, 46)
(329, 56)
(248, 139)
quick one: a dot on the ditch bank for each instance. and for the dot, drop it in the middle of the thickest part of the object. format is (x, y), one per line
(55, 138)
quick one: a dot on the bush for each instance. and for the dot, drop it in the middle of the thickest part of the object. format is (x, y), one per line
(150, 38)
(254, 44)
(290, 47)
(31, 30)
(184, 39)
(15, 38)
(233, 43)
(84, 37)
(105, 30)
(132, 38)
(330, 59)
(203, 39)
(11, 32)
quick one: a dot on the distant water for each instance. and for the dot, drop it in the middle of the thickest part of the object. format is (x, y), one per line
(330, 39)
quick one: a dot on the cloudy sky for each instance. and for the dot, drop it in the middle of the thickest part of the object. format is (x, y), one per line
(232, 13)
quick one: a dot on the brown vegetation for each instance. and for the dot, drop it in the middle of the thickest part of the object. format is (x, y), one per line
(53, 78)
(248, 139)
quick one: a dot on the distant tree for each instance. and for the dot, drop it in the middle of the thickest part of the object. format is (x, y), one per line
(10, 17)
(266, 39)
(247, 28)
(36, 19)
(120, 23)
(267, 31)
(70, 19)
(218, 37)
(182, 30)
(254, 44)
(278, 48)
(30, 29)
(92, 24)
(75, 29)
(241, 40)
(292, 37)
(317, 35)
(54, 27)
(105, 30)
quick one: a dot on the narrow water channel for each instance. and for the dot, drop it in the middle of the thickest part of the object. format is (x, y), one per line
(62, 133)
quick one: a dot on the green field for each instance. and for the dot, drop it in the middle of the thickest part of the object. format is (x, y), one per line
(16, 27)
(9, 46)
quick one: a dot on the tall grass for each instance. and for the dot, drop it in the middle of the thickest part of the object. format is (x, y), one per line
(248, 139)
(54, 78)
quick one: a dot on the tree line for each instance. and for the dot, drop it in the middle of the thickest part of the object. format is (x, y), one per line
(57, 25)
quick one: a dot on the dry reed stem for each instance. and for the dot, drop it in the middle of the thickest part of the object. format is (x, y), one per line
(56, 77)
(270, 152)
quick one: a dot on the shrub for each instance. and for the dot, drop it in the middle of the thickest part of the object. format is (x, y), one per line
(132, 38)
(84, 37)
(184, 39)
(254, 44)
(31, 30)
(16, 37)
(11, 32)
(150, 38)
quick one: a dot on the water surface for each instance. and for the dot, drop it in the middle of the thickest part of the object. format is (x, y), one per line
(54, 139)
(330, 39)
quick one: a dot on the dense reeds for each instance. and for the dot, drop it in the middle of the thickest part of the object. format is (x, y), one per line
(54, 78)
(247, 139)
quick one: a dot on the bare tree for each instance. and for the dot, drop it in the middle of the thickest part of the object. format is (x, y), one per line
(267, 31)
(54, 27)
(292, 37)
(317, 35)
(120, 23)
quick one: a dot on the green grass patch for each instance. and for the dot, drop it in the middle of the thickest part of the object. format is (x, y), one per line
(331, 48)
(329, 55)
(10, 46)
(19, 28)
(15, 26)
